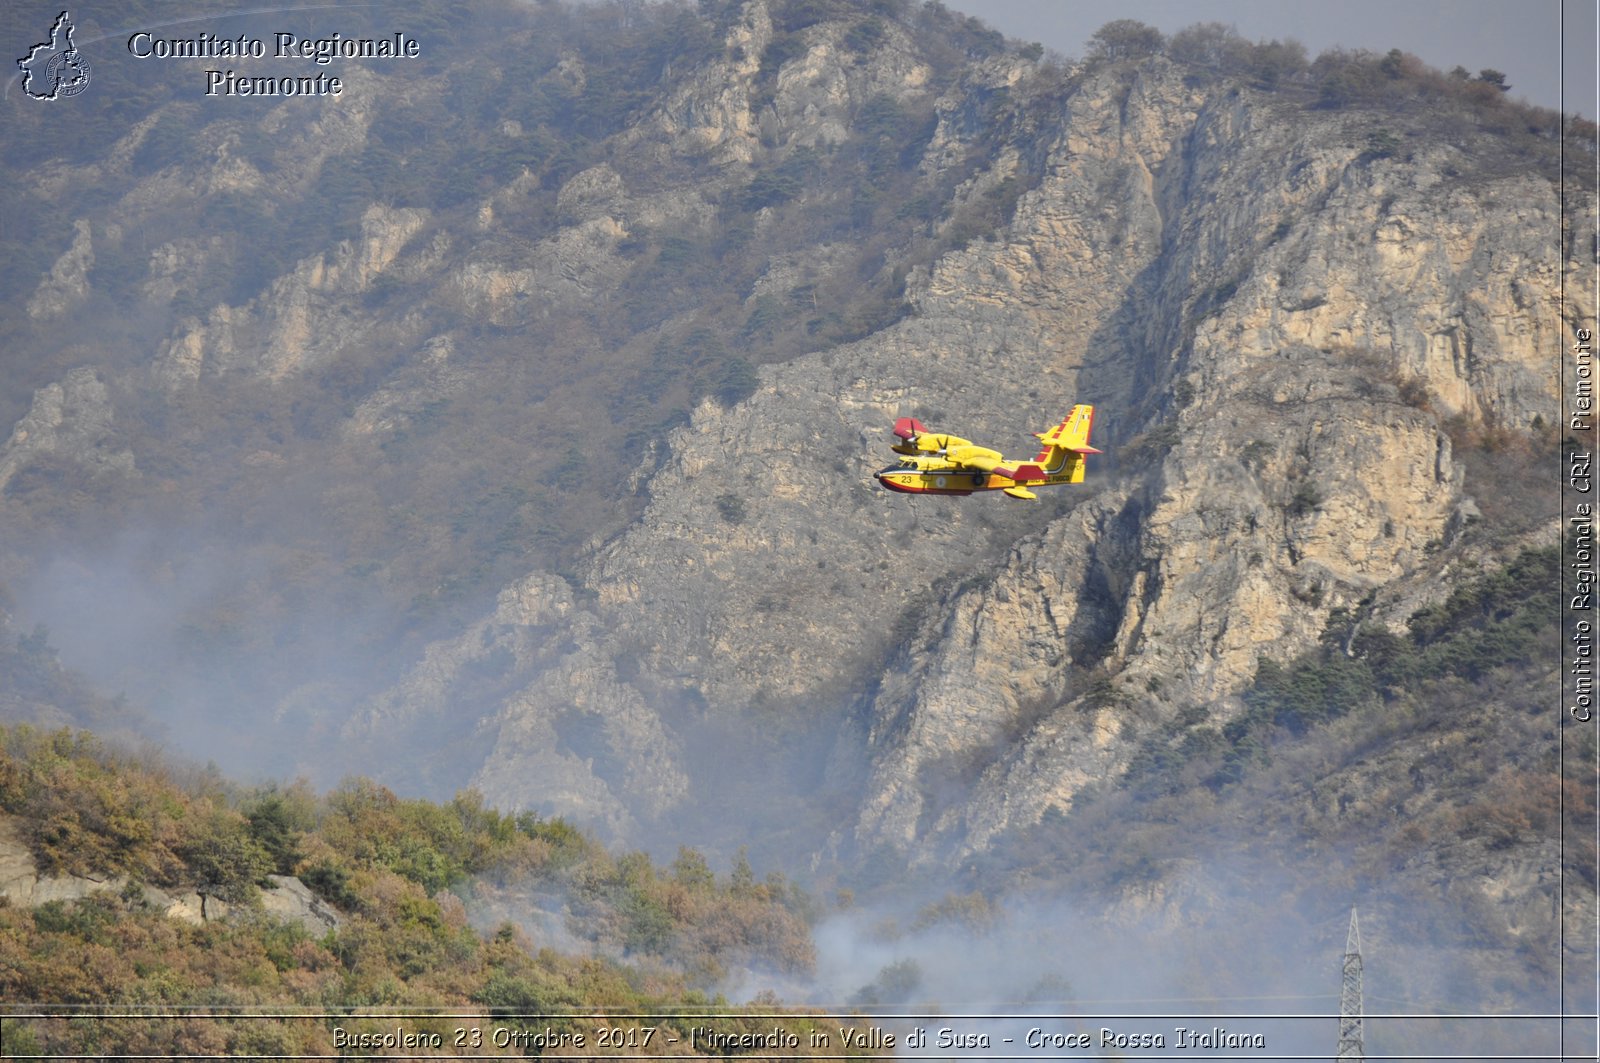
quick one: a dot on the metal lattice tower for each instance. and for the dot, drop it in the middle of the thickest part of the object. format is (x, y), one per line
(1350, 1046)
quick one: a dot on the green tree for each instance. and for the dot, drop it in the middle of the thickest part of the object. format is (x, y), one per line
(1125, 38)
(277, 822)
(224, 858)
(1210, 44)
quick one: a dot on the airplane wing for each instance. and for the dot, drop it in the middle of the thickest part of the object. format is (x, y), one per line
(971, 456)
(986, 460)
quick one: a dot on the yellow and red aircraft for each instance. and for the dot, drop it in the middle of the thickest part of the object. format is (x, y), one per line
(949, 465)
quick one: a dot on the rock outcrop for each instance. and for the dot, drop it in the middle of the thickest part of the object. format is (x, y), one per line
(303, 318)
(70, 421)
(286, 899)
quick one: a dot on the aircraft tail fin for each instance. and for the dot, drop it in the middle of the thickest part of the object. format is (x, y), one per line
(1068, 442)
(1073, 433)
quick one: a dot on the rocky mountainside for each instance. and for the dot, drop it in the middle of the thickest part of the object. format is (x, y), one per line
(547, 469)
(1281, 317)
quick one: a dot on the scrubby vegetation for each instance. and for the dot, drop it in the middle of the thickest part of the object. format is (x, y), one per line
(401, 874)
(1505, 619)
(1456, 105)
(1475, 670)
(1392, 770)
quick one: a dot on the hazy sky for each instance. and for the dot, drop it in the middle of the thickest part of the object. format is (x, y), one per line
(1524, 39)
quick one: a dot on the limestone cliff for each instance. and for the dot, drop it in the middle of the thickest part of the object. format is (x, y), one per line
(1256, 291)
(71, 420)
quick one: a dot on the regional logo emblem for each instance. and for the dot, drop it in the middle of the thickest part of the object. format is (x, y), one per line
(55, 68)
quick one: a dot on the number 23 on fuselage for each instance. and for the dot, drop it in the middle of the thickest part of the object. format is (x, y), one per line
(941, 464)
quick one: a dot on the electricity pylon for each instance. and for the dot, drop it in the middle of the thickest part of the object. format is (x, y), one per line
(1350, 1046)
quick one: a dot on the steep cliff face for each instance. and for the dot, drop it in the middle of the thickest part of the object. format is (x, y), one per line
(1287, 316)
(304, 318)
(1303, 309)
(70, 420)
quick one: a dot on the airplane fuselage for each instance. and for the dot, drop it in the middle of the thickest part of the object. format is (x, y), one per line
(947, 481)
(935, 476)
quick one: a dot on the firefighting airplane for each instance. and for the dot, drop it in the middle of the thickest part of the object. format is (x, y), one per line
(948, 465)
